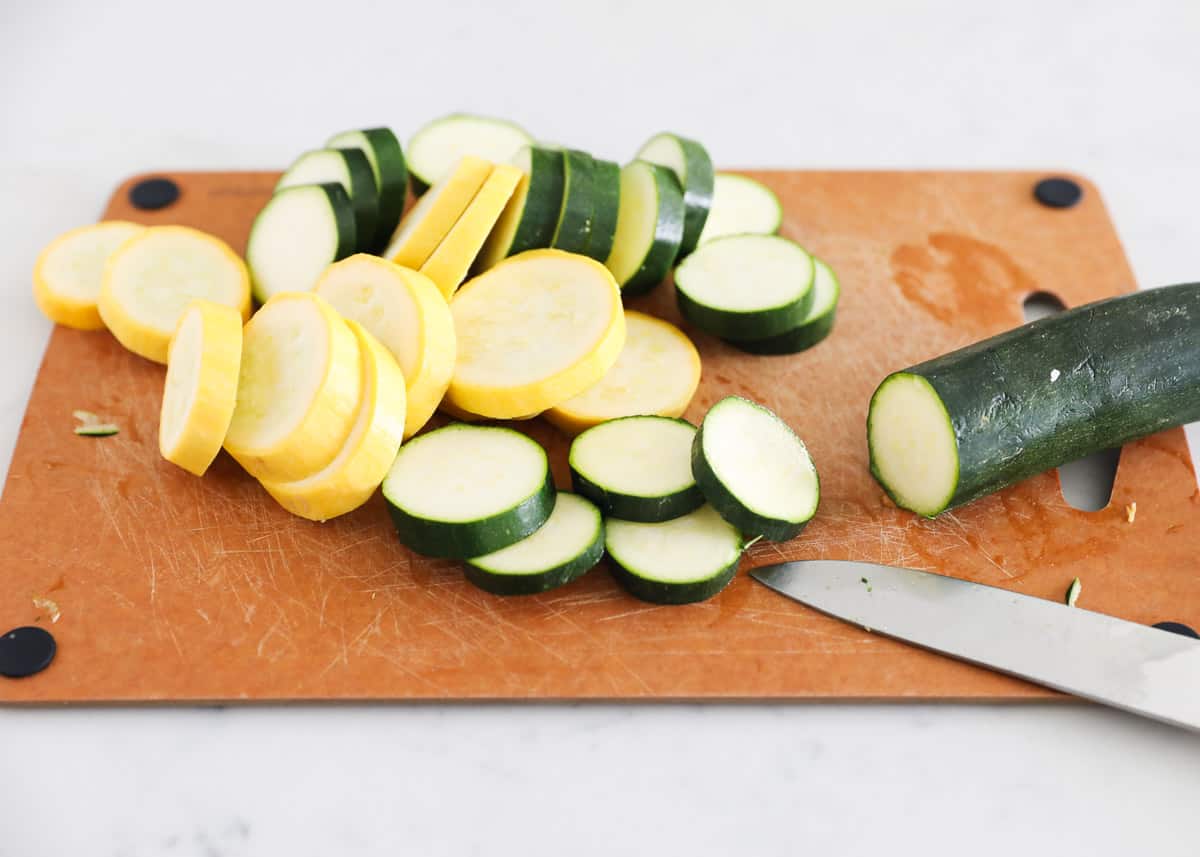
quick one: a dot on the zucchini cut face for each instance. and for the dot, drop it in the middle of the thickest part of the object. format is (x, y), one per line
(741, 206)
(649, 227)
(436, 147)
(298, 234)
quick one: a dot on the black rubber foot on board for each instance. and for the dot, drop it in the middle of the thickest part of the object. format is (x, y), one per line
(153, 194)
(1057, 192)
(26, 651)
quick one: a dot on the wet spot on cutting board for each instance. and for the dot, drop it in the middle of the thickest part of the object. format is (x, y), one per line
(26, 651)
(956, 278)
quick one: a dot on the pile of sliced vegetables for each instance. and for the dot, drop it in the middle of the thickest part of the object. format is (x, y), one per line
(497, 296)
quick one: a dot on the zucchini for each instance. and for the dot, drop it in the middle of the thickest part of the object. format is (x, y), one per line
(299, 233)
(349, 168)
(440, 144)
(679, 561)
(574, 228)
(746, 287)
(1073, 592)
(404, 310)
(386, 158)
(448, 265)
(70, 270)
(637, 468)
(606, 202)
(532, 332)
(299, 386)
(741, 206)
(98, 430)
(649, 227)
(201, 385)
(529, 218)
(960, 426)
(754, 470)
(693, 167)
(564, 548)
(152, 277)
(464, 491)
(817, 325)
(657, 373)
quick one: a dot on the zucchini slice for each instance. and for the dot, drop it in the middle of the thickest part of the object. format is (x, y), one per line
(153, 276)
(447, 266)
(754, 470)
(386, 157)
(746, 287)
(960, 426)
(1073, 592)
(298, 388)
(637, 468)
(70, 270)
(297, 235)
(649, 227)
(360, 466)
(529, 218)
(404, 310)
(563, 549)
(201, 386)
(574, 228)
(464, 491)
(534, 331)
(439, 145)
(680, 561)
(693, 167)
(349, 168)
(432, 218)
(817, 325)
(741, 206)
(657, 373)
(606, 203)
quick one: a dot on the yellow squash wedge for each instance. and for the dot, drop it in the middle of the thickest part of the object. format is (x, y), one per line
(352, 477)
(432, 218)
(449, 263)
(298, 389)
(404, 310)
(69, 272)
(535, 330)
(152, 277)
(657, 374)
(201, 386)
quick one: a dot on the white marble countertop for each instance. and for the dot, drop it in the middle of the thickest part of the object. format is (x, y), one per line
(92, 92)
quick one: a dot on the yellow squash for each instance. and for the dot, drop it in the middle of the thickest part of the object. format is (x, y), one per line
(69, 272)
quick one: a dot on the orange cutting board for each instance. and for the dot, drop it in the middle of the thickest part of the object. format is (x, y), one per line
(173, 588)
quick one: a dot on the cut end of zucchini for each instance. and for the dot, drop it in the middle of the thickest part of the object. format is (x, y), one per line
(649, 227)
(914, 453)
(435, 148)
(690, 163)
(817, 325)
(754, 470)
(299, 233)
(565, 547)
(741, 206)
(684, 560)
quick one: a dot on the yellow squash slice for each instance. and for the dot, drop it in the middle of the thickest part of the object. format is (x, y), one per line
(352, 477)
(201, 386)
(535, 330)
(449, 263)
(405, 311)
(657, 374)
(151, 278)
(432, 218)
(68, 273)
(298, 389)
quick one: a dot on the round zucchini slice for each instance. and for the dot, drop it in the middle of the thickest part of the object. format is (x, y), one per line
(817, 325)
(649, 227)
(692, 166)
(741, 206)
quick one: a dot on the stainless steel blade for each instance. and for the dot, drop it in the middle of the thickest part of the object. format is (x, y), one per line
(1129, 666)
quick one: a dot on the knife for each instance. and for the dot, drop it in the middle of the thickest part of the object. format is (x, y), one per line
(1133, 667)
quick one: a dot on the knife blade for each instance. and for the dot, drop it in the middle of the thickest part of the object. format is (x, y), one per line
(1133, 667)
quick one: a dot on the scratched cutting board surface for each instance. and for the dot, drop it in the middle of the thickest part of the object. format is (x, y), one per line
(169, 587)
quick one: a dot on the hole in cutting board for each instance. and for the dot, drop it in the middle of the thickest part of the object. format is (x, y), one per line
(1087, 483)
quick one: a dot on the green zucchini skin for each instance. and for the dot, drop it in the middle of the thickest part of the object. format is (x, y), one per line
(543, 202)
(668, 235)
(391, 175)
(659, 592)
(1128, 367)
(744, 326)
(793, 341)
(606, 201)
(698, 179)
(364, 195)
(574, 228)
(532, 584)
(629, 507)
(465, 540)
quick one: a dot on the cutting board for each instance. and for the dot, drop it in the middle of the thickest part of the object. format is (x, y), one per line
(166, 587)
